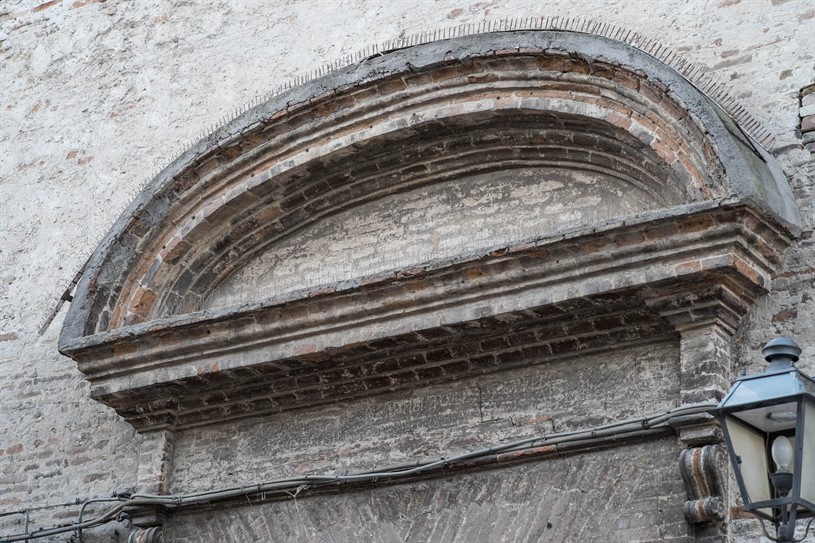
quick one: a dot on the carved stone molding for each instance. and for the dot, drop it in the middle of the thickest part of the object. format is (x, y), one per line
(688, 221)
(700, 469)
(584, 291)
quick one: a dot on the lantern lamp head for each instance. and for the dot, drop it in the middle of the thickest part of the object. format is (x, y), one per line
(768, 421)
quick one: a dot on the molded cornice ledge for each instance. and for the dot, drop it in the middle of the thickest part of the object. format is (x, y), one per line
(707, 265)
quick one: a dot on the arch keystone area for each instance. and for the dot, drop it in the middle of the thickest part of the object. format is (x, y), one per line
(382, 226)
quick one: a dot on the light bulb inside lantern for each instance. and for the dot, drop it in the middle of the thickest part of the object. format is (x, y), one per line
(782, 454)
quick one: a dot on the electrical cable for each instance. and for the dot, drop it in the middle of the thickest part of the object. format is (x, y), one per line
(576, 438)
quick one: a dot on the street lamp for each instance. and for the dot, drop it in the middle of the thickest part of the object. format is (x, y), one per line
(769, 429)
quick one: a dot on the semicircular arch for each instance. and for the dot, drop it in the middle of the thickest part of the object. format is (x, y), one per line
(433, 115)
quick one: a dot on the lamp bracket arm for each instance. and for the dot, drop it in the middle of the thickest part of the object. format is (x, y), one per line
(780, 540)
(766, 533)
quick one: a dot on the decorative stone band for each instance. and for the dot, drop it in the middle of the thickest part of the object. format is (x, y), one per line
(146, 535)
(704, 510)
(340, 151)
(700, 469)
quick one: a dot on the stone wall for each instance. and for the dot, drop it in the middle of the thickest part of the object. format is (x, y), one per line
(626, 494)
(451, 418)
(98, 95)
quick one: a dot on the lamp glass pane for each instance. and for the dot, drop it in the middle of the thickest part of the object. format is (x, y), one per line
(749, 446)
(767, 387)
(771, 418)
(808, 455)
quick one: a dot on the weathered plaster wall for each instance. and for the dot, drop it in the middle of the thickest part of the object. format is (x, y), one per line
(97, 95)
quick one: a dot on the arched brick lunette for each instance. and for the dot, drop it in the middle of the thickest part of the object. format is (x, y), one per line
(251, 180)
(406, 118)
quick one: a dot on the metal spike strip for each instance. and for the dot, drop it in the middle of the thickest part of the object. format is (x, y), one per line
(660, 52)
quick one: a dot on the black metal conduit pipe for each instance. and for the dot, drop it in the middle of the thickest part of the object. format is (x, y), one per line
(82, 512)
(585, 438)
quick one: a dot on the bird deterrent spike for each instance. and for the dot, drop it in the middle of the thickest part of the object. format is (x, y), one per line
(664, 53)
(659, 50)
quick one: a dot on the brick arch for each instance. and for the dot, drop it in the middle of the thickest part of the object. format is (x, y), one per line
(276, 178)
(448, 152)
(420, 116)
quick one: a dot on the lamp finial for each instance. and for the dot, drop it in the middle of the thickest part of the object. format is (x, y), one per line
(781, 352)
